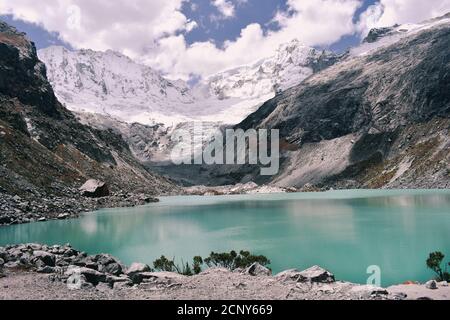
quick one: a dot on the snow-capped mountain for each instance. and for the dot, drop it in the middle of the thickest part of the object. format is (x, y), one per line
(386, 36)
(112, 84)
(291, 64)
(109, 90)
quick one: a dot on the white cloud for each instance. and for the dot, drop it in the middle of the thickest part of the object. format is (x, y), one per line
(150, 31)
(225, 7)
(314, 22)
(129, 25)
(390, 12)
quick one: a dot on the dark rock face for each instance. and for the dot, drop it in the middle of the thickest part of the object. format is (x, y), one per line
(377, 109)
(45, 150)
(377, 33)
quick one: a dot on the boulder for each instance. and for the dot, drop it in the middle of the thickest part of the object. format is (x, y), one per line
(94, 189)
(289, 275)
(112, 268)
(47, 258)
(257, 269)
(313, 274)
(432, 285)
(137, 268)
(90, 275)
(104, 259)
(2, 262)
(78, 282)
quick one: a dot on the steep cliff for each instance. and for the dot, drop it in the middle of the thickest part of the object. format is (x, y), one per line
(44, 148)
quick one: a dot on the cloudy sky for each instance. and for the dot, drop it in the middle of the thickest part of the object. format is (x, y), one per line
(195, 38)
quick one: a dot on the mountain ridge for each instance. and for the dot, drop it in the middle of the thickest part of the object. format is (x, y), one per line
(46, 151)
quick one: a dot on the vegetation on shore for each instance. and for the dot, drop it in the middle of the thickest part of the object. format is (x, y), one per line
(434, 262)
(230, 261)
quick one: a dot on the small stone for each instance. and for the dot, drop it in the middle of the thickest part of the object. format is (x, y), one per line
(122, 285)
(63, 216)
(46, 270)
(432, 285)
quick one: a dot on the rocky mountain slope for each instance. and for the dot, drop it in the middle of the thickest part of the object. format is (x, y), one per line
(45, 150)
(379, 118)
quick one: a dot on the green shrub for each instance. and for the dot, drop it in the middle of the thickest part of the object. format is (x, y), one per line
(231, 261)
(164, 264)
(434, 262)
(234, 261)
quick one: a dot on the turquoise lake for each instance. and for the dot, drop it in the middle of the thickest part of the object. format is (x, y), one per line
(343, 231)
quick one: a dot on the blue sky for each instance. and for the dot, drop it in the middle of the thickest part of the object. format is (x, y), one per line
(259, 11)
(196, 38)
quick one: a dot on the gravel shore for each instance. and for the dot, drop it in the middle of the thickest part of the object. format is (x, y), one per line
(40, 272)
(20, 209)
(216, 284)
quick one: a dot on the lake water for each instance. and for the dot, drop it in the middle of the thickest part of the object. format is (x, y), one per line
(344, 231)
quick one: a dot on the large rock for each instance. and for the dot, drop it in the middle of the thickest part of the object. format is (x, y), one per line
(94, 189)
(92, 276)
(137, 268)
(112, 268)
(257, 269)
(77, 282)
(47, 258)
(289, 275)
(317, 274)
(313, 274)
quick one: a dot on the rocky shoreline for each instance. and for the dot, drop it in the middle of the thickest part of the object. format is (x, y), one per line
(36, 207)
(247, 188)
(34, 271)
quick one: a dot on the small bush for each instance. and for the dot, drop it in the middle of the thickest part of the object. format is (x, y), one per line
(234, 261)
(434, 262)
(231, 261)
(164, 264)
